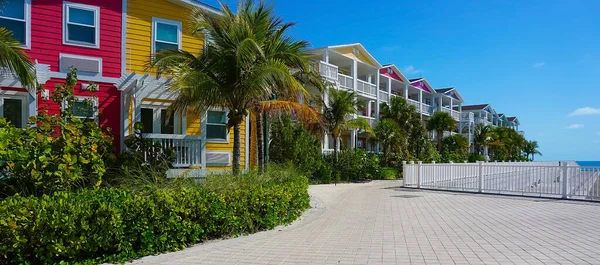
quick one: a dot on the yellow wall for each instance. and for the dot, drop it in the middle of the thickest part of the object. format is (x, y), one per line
(139, 30)
(347, 51)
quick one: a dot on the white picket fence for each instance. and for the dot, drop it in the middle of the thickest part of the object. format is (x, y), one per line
(544, 179)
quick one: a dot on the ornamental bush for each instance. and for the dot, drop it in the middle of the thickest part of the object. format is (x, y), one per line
(55, 152)
(354, 165)
(116, 224)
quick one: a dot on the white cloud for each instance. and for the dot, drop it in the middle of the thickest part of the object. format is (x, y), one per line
(539, 65)
(411, 70)
(585, 111)
(575, 126)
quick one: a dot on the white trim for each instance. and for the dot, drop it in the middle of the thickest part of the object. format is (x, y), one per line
(157, 113)
(197, 4)
(228, 153)
(178, 24)
(95, 104)
(65, 29)
(23, 96)
(65, 55)
(217, 140)
(27, 20)
(124, 37)
(99, 79)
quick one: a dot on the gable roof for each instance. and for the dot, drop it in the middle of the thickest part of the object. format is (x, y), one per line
(415, 79)
(196, 3)
(423, 84)
(357, 45)
(475, 107)
(400, 75)
(450, 92)
(512, 118)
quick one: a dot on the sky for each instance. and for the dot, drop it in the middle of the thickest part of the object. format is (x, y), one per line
(538, 60)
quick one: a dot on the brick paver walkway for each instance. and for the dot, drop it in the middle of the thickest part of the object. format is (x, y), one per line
(379, 223)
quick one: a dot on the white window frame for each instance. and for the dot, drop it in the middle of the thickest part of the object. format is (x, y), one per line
(95, 9)
(178, 123)
(95, 105)
(27, 21)
(218, 140)
(178, 24)
(24, 105)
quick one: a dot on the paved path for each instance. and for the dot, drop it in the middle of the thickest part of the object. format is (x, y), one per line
(379, 223)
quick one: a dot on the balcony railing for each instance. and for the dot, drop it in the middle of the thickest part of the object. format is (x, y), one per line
(346, 82)
(383, 96)
(329, 71)
(414, 103)
(426, 109)
(187, 148)
(455, 114)
(467, 116)
(485, 122)
(366, 88)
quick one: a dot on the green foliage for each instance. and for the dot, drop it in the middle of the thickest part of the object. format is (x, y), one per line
(455, 148)
(441, 122)
(390, 137)
(116, 224)
(143, 162)
(54, 153)
(354, 165)
(506, 144)
(15, 59)
(291, 143)
(475, 157)
(389, 173)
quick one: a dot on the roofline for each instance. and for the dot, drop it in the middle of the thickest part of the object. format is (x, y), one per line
(393, 66)
(371, 57)
(426, 82)
(198, 4)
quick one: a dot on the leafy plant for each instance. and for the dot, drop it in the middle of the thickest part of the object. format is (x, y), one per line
(354, 165)
(55, 152)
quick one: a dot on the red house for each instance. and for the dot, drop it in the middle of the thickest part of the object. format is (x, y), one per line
(58, 35)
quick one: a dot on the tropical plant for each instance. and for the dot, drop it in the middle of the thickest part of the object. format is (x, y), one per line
(531, 148)
(441, 122)
(481, 137)
(14, 60)
(387, 133)
(248, 59)
(455, 148)
(506, 144)
(337, 112)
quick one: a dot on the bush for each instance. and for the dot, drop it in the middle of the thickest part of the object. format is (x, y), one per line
(474, 157)
(54, 153)
(291, 143)
(117, 224)
(353, 165)
(389, 173)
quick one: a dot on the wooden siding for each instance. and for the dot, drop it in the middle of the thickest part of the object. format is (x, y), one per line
(139, 30)
(109, 107)
(47, 38)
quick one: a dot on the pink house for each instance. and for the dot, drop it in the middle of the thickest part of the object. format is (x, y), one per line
(58, 35)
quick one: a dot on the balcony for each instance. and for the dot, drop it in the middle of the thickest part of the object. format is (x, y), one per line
(328, 71)
(426, 109)
(383, 96)
(372, 120)
(366, 88)
(485, 122)
(467, 116)
(187, 148)
(345, 82)
(453, 113)
(414, 103)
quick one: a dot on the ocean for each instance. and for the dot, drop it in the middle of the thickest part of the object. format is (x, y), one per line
(588, 163)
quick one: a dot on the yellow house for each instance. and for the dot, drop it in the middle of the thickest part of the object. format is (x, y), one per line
(201, 141)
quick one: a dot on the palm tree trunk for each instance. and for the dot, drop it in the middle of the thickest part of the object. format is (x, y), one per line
(260, 143)
(237, 145)
(440, 135)
(335, 146)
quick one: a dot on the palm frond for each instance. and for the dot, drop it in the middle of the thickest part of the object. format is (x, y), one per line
(360, 124)
(15, 61)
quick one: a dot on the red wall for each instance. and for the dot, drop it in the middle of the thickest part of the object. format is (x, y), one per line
(109, 107)
(46, 34)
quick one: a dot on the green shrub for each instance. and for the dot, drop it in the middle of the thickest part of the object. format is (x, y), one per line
(54, 153)
(117, 224)
(353, 165)
(389, 173)
(474, 157)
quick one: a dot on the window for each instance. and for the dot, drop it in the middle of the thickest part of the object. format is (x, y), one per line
(85, 109)
(156, 119)
(14, 15)
(147, 118)
(166, 34)
(13, 110)
(216, 125)
(81, 25)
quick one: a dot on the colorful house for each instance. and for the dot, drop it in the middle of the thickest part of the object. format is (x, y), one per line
(84, 34)
(201, 140)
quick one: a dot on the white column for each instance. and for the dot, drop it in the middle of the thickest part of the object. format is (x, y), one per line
(354, 74)
(353, 139)
(440, 101)
(203, 119)
(326, 56)
(377, 80)
(421, 103)
(369, 108)
(389, 87)
(406, 91)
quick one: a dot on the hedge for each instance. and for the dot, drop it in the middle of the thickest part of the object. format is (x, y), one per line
(117, 224)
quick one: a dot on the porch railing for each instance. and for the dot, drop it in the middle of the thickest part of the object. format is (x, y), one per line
(453, 113)
(414, 103)
(366, 88)
(346, 82)
(565, 180)
(425, 109)
(467, 116)
(187, 148)
(383, 96)
(329, 71)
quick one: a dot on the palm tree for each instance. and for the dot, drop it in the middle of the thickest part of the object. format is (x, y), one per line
(14, 60)
(441, 122)
(248, 59)
(481, 137)
(531, 148)
(336, 112)
(387, 132)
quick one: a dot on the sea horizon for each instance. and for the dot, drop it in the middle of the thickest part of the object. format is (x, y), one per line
(587, 163)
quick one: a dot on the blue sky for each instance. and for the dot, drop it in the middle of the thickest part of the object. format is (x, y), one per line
(535, 59)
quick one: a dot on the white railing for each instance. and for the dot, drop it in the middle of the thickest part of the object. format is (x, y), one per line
(346, 82)
(384, 96)
(187, 148)
(446, 134)
(425, 109)
(366, 88)
(414, 103)
(328, 151)
(328, 71)
(467, 116)
(453, 113)
(543, 179)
